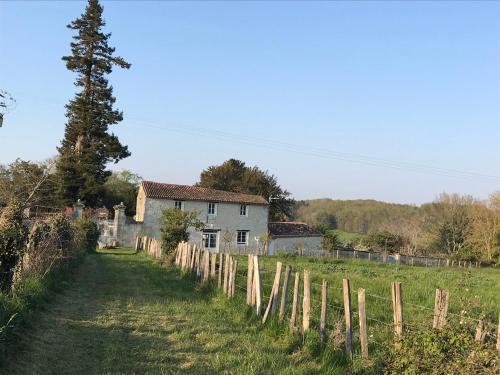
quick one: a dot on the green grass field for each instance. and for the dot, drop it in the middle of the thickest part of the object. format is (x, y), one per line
(474, 293)
(124, 313)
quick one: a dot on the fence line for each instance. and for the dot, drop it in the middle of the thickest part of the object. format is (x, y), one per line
(191, 259)
(398, 259)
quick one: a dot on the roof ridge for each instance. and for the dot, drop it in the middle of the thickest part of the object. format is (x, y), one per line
(171, 191)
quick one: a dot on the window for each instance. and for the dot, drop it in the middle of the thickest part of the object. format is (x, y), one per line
(242, 237)
(178, 205)
(243, 210)
(210, 240)
(212, 208)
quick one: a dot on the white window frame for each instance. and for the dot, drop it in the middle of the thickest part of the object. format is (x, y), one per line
(245, 206)
(181, 205)
(238, 232)
(206, 236)
(214, 211)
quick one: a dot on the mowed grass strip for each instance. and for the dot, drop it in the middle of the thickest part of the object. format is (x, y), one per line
(123, 313)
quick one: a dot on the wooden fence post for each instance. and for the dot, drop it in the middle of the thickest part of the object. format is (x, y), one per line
(213, 260)
(206, 266)
(293, 317)
(253, 296)
(192, 257)
(481, 330)
(258, 290)
(498, 334)
(363, 334)
(440, 308)
(249, 279)
(230, 276)
(322, 322)
(226, 273)
(284, 293)
(198, 262)
(306, 302)
(233, 282)
(346, 288)
(397, 307)
(273, 296)
(219, 282)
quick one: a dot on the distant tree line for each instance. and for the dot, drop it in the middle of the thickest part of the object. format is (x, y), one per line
(453, 225)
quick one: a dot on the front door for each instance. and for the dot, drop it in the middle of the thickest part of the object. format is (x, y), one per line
(210, 240)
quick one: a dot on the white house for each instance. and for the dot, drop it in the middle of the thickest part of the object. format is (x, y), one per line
(231, 220)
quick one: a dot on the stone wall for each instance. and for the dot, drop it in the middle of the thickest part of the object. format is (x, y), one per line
(288, 244)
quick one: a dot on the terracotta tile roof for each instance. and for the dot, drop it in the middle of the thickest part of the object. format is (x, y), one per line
(195, 193)
(292, 229)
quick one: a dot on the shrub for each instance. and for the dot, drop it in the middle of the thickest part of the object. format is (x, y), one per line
(12, 242)
(174, 225)
(384, 241)
(87, 234)
(331, 241)
(451, 350)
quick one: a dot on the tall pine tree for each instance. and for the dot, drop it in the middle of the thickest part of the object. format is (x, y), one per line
(87, 145)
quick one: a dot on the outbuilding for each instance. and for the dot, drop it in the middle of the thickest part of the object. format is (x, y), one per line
(293, 237)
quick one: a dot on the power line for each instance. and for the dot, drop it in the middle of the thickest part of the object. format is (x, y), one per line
(323, 153)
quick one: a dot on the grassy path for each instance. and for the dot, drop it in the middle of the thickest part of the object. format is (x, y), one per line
(124, 314)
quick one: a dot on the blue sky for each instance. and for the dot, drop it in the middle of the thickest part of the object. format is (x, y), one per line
(283, 85)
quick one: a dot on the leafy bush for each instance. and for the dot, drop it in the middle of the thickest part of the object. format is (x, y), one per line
(331, 241)
(12, 242)
(174, 225)
(451, 350)
(87, 234)
(384, 241)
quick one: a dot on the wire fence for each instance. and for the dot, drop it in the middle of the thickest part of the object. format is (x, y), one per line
(268, 291)
(396, 259)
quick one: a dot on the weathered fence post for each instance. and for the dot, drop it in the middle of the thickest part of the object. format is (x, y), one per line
(136, 244)
(213, 260)
(230, 276)
(293, 317)
(206, 266)
(219, 282)
(322, 322)
(198, 262)
(233, 282)
(253, 297)
(481, 330)
(306, 302)
(397, 307)
(258, 290)
(284, 293)
(226, 273)
(498, 334)
(249, 279)
(363, 334)
(346, 289)
(440, 308)
(273, 296)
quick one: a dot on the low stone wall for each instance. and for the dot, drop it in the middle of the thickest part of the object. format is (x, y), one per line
(290, 244)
